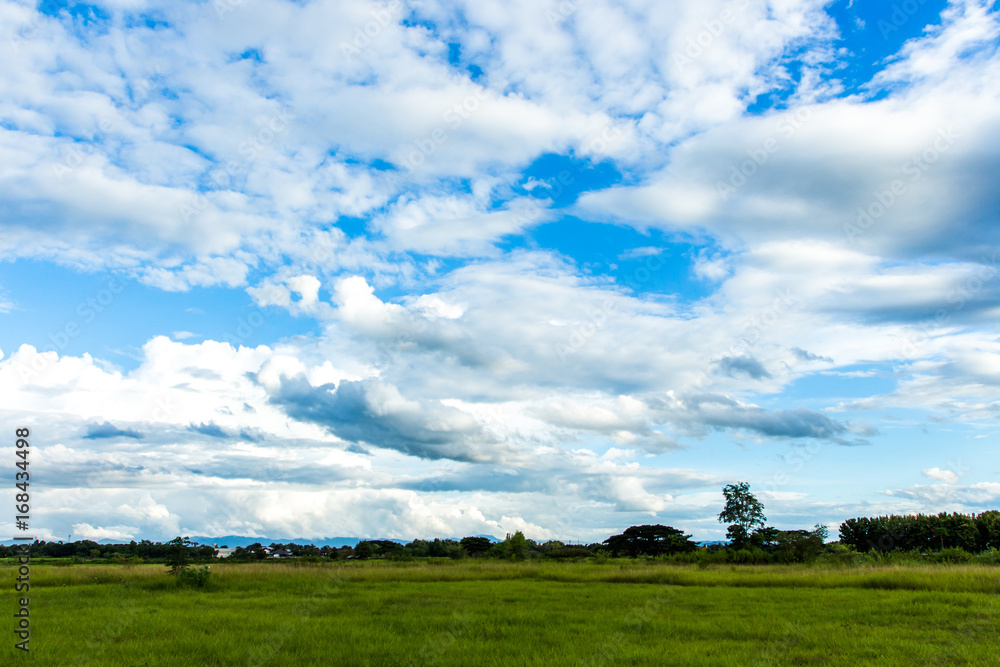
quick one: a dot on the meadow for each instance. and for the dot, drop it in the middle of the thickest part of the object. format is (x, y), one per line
(482, 612)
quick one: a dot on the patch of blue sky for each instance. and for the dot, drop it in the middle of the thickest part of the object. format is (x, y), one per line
(563, 178)
(647, 264)
(777, 98)
(80, 19)
(251, 54)
(151, 21)
(413, 20)
(111, 316)
(869, 35)
(353, 227)
(79, 11)
(874, 32)
(474, 71)
(434, 276)
(843, 383)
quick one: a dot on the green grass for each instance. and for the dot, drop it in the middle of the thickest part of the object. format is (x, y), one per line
(493, 613)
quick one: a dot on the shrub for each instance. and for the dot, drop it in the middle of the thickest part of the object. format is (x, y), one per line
(841, 554)
(196, 577)
(952, 555)
(127, 561)
(569, 552)
(601, 556)
(989, 557)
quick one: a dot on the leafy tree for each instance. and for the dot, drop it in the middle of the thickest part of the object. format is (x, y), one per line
(650, 541)
(419, 548)
(179, 559)
(925, 533)
(789, 546)
(364, 550)
(988, 526)
(514, 547)
(439, 548)
(569, 552)
(476, 546)
(742, 511)
(256, 550)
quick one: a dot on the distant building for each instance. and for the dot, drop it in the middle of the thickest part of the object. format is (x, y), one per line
(224, 552)
(280, 553)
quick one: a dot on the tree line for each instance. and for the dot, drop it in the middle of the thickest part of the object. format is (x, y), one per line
(952, 537)
(973, 533)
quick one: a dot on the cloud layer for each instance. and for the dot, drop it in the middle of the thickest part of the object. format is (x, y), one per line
(566, 265)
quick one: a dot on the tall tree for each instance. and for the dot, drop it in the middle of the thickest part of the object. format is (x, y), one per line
(742, 511)
(476, 546)
(650, 541)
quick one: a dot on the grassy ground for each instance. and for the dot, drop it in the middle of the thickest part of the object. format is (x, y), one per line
(491, 613)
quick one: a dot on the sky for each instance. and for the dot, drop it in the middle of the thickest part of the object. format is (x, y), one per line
(445, 268)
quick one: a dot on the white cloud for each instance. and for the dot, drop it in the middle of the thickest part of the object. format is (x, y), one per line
(84, 531)
(946, 476)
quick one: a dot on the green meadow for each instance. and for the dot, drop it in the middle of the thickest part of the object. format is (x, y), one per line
(501, 613)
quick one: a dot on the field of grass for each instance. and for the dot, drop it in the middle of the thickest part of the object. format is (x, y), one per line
(495, 613)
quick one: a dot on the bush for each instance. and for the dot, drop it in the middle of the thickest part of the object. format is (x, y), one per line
(952, 555)
(569, 552)
(841, 554)
(127, 561)
(989, 557)
(196, 577)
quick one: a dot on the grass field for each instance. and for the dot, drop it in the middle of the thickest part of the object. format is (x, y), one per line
(494, 613)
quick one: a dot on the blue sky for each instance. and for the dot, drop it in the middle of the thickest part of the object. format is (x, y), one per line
(400, 269)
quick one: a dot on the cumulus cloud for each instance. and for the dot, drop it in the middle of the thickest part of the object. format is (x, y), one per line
(745, 365)
(803, 355)
(108, 430)
(84, 531)
(377, 414)
(210, 429)
(939, 475)
(707, 411)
